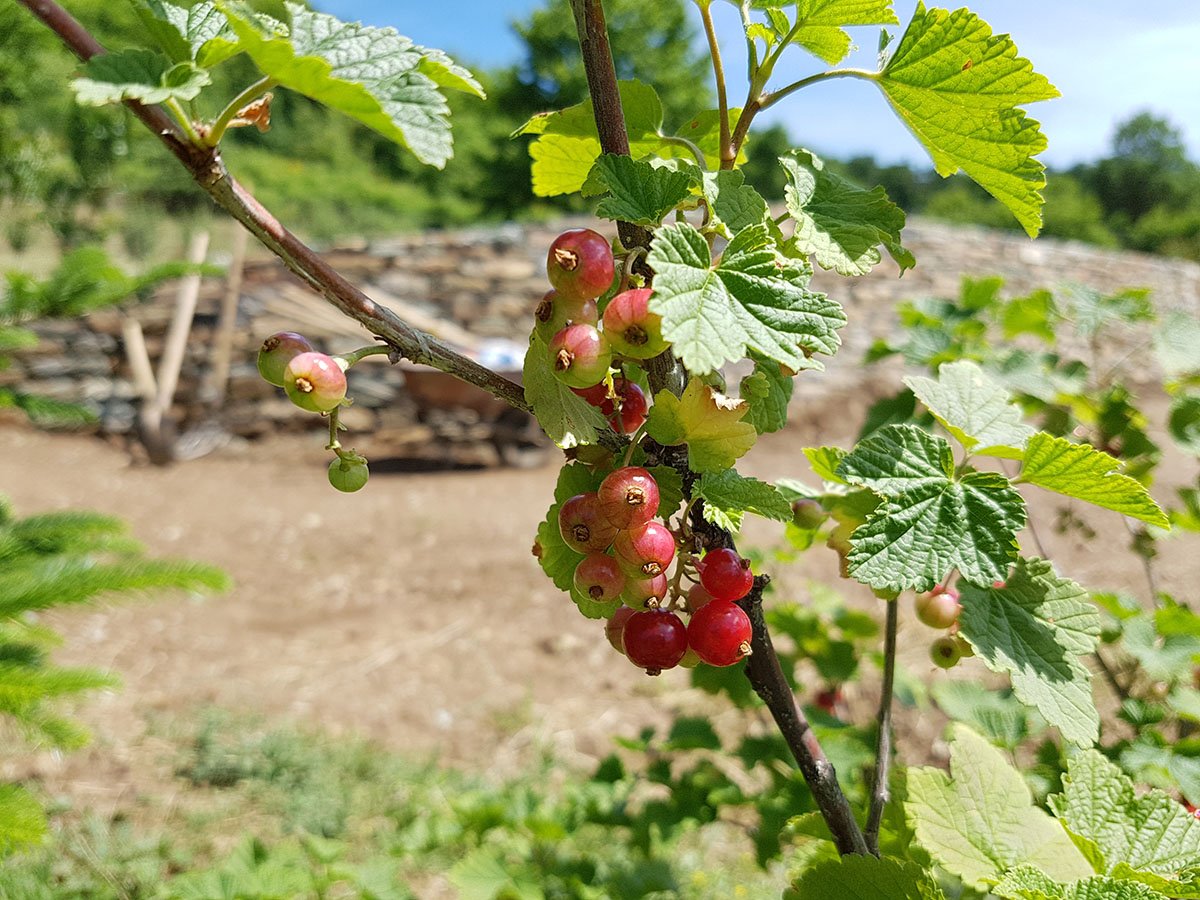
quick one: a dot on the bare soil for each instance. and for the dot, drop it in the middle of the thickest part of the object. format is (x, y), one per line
(412, 613)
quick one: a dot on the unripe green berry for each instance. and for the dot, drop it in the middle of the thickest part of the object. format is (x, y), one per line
(945, 652)
(348, 475)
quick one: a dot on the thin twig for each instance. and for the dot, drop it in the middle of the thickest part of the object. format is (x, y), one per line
(1110, 676)
(881, 792)
(714, 47)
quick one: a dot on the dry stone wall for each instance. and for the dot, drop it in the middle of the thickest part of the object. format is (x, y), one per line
(484, 283)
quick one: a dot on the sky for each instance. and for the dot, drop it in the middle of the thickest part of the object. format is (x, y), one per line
(1109, 58)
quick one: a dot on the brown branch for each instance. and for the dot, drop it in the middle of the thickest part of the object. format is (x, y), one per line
(208, 170)
(881, 792)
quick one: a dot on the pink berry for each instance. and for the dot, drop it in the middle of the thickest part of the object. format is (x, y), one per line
(580, 264)
(277, 351)
(580, 356)
(631, 328)
(726, 575)
(582, 526)
(720, 633)
(645, 551)
(938, 608)
(556, 312)
(628, 497)
(696, 597)
(315, 382)
(614, 628)
(645, 593)
(599, 578)
(655, 640)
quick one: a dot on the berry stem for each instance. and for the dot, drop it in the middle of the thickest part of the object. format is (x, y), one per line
(221, 124)
(881, 792)
(363, 352)
(633, 443)
(631, 259)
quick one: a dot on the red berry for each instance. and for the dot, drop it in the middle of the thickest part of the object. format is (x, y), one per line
(645, 551)
(614, 628)
(631, 328)
(315, 382)
(720, 633)
(938, 608)
(580, 356)
(599, 578)
(582, 526)
(556, 312)
(277, 351)
(726, 575)
(696, 597)
(628, 497)
(633, 407)
(645, 593)
(580, 264)
(827, 700)
(655, 640)
(945, 652)
(596, 395)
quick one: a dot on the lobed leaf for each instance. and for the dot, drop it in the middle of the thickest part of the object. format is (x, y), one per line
(637, 191)
(137, 74)
(199, 33)
(974, 409)
(767, 391)
(818, 27)
(714, 431)
(729, 495)
(867, 878)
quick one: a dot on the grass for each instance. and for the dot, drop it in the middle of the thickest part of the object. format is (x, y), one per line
(264, 812)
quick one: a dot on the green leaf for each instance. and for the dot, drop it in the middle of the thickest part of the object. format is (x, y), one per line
(692, 733)
(142, 75)
(957, 87)
(1082, 472)
(980, 821)
(753, 299)
(374, 75)
(1035, 629)
(825, 461)
(1183, 421)
(767, 390)
(818, 26)
(568, 145)
(637, 191)
(558, 560)
(734, 204)
(1175, 343)
(713, 430)
(670, 489)
(1149, 839)
(867, 878)
(930, 520)
(567, 418)
(839, 224)
(997, 715)
(728, 495)
(1031, 883)
(200, 33)
(22, 822)
(974, 409)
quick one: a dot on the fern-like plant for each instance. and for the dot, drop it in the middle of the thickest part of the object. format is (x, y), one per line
(53, 560)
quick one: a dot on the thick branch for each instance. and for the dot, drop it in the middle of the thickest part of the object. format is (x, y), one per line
(881, 793)
(207, 168)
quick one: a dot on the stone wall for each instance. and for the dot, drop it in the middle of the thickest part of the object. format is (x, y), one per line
(487, 282)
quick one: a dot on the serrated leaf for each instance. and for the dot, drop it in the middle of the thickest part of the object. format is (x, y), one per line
(998, 715)
(637, 191)
(567, 418)
(733, 203)
(980, 821)
(767, 390)
(825, 461)
(728, 496)
(1035, 629)
(1183, 422)
(867, 878)
(1150, 838)
(1031, 883)
(373, 75)
(818, 26)
(753, 299)
(142, 75)
(670, 490)
(714, 432)
(839, 224)
(974, 409)
(200, 33)
(930, 521)
(958, 88)
(1088, 474)
(568, 145)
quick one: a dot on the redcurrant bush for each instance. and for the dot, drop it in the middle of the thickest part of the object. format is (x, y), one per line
(582, 526)
(599, 578)
(720, 633)
(580, 264)
(726, 575)
(631, 328)
(655, 640)
(938, 608)
(315, 382)
(580, 356)
(645, 551)
(277, 351)
(628, 497)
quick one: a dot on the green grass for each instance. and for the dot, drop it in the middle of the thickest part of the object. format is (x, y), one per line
(275, 813)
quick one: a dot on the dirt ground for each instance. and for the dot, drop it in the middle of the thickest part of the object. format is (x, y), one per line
(412, 613)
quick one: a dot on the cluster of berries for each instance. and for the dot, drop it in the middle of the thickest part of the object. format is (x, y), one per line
(940, 608)
(627, 555)
(585, 345)
(314, 382)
